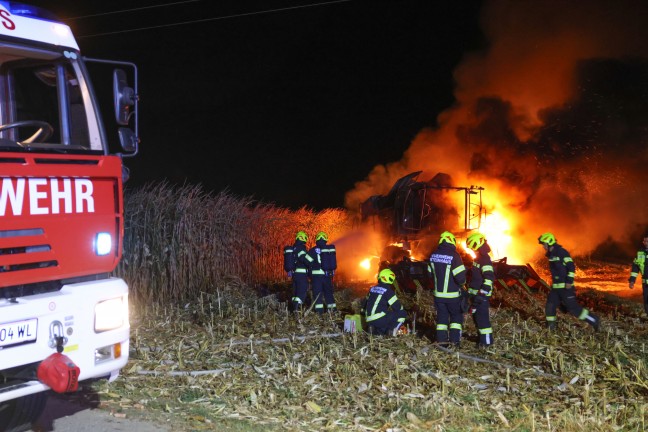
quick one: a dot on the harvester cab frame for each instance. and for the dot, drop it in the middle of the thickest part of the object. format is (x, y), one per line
(411, 217)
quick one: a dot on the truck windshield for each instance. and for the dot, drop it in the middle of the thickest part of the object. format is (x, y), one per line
(45, 103)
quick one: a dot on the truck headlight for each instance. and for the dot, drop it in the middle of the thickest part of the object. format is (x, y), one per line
(110, 314)
(103, 244)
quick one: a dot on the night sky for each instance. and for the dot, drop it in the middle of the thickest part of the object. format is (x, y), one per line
(293, 106)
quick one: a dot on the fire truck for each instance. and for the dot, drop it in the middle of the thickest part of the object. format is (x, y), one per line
(63, 316)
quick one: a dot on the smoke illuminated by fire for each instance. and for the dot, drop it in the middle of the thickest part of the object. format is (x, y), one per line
(552, 120)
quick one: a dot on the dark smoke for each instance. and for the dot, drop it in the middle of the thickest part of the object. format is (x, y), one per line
(552, 119)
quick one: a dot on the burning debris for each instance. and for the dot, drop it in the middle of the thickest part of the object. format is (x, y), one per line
(551, 120)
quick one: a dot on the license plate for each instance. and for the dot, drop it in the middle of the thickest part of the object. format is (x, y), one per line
(18, 332)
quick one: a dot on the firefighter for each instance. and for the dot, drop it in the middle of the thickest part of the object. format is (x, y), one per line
(323, 267)
(562, 290)
(639, 266)
(383, 311)
(480, 287)
(297, 263)
(449, 274)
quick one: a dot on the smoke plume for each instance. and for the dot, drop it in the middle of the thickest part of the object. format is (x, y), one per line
(552, 119)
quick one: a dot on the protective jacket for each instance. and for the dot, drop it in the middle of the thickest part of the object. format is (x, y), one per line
(380, 301)
(482, 274)
(561, 266)
(638, 266)
(303, 261)
(448, 271)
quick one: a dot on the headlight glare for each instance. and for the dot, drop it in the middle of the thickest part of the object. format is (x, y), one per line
(109, 314)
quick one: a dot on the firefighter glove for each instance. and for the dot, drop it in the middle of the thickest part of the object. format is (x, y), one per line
(479, 299)
(631, 285)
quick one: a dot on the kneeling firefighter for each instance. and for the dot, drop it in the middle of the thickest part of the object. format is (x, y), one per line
(383, 311)
(480, 288)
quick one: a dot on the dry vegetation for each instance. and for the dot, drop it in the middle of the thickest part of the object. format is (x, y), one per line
(211, 355)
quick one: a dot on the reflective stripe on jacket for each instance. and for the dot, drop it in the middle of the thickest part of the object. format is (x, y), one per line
(448, 271)
(562, 267)
(482, 274)
(380, 300)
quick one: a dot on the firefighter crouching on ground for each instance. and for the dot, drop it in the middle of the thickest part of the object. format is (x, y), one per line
(562, 290)
(449, 275)
(383, 311)
(639, 266)
(323, 266)
(481, 287)
(297, 262)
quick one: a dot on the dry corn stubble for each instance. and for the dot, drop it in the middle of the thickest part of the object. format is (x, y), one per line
(204, 346)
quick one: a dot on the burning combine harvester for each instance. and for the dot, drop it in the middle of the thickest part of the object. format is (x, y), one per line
(412, 216)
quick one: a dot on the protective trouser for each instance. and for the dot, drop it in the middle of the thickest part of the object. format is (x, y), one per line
(449, 321)
(300, 289)
(645, 296)
(481, 317)
(317, 285)
(327, 289)
(386, 324)
(567, 297)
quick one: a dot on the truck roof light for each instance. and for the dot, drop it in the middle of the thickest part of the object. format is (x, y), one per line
(30, 11)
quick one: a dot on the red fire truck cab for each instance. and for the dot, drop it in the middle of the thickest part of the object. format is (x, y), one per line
(61, 214)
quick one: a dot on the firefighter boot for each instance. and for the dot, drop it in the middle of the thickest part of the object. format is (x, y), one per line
(551, 325)
(594, 321)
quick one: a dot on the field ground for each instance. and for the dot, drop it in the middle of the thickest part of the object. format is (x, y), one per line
(236, 362)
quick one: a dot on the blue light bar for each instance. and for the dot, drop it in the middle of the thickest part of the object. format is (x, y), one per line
(29, 11)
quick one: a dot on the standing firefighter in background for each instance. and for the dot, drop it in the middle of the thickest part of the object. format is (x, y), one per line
(449, 275)
(562, 290)
(481, 287)
(639, 266)
(383, 311)
(322, 269)
(297, 262)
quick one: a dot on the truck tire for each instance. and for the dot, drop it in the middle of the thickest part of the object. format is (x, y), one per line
(18, 415)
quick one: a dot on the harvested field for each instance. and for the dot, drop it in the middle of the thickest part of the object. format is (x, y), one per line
(233, 361)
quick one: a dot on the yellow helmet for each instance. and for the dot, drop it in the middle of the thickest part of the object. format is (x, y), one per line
(321, 236)
(547, 238)
(301, 235)
(448, 237)
(475, 240)
(387, 276)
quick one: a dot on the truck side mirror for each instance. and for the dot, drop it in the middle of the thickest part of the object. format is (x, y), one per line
(127, 139)
(124, 97)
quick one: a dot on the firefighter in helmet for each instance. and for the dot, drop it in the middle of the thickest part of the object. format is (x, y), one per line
(639, 266)
(323, 266)
(480, 288)
(297, 263)
(562, 290)
(449, 274)
(383, 311)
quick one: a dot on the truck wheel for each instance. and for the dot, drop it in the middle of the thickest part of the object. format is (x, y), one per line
(18, 415)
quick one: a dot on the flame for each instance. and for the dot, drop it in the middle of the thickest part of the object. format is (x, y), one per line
(366, 263)
(548, 158)
(497, 230)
